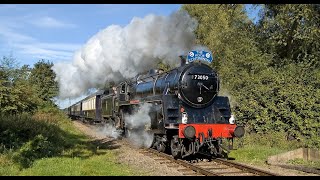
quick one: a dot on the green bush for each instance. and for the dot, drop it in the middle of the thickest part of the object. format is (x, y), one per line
(36, 148)
(28, 138)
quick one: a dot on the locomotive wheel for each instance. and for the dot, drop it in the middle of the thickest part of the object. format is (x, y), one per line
(127, 132)
(224, 155)
(119, 120)
(116, 122)
(161, 147)
(120, 124)
(175, 148)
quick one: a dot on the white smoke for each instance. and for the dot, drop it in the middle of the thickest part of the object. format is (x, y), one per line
(140, 118)
(107, 130)
(116, 53)
(138, 124)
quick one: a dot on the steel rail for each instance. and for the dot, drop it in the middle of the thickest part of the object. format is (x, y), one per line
(245, 167)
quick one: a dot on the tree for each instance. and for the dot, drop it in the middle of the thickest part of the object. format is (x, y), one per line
(17, 95)
(291, 32)
(9, 66)
(43, 78)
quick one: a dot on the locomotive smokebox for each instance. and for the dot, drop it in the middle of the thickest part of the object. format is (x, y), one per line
(198, 85)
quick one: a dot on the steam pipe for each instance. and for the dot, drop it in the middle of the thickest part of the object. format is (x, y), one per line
(183, 60)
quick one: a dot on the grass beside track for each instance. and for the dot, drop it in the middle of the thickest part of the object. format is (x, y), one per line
(256, 148)
(96, 165)
(66, 151)
(255, 155)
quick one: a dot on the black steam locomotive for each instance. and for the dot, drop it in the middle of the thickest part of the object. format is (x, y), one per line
(187, 115)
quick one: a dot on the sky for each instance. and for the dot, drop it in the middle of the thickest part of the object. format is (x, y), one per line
(30, 32)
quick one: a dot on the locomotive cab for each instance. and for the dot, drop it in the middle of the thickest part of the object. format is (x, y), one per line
(123, 91)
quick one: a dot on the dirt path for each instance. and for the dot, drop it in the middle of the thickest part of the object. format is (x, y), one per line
(128, 154)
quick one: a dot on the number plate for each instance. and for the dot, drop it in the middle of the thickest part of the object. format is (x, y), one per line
(200, 77)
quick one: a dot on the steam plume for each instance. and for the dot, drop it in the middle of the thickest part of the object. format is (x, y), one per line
(140, 121)
(107, 130)
(116, 53)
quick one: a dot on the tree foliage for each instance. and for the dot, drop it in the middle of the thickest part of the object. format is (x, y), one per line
(16, 93)
(291, 32)
(42, 76)
(23, 89)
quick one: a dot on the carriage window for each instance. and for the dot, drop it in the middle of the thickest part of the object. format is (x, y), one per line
(123, 88)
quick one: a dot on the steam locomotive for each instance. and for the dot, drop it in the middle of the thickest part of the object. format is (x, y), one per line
(187, 115)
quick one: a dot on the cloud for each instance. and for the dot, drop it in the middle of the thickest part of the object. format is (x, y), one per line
(59, 46)
(28, 45)
(11, 36)
(13, 39)
(44, 52)
(50, 22)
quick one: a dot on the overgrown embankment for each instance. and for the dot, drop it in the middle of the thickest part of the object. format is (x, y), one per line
(47, 143)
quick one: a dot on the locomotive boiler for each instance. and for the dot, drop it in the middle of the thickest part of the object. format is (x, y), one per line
(187, 115)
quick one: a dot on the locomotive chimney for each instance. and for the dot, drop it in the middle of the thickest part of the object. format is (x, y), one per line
(183, 60)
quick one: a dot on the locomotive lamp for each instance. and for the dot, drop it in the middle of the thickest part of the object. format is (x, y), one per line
(184, 118)
(232, 120)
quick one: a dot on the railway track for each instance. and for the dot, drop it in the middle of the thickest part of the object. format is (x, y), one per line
(216, 167)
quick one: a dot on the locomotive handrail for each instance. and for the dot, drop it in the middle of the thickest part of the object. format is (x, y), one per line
(165, 90)
(145, 76)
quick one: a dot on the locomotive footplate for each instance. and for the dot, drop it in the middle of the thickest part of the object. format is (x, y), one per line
(201, 131)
